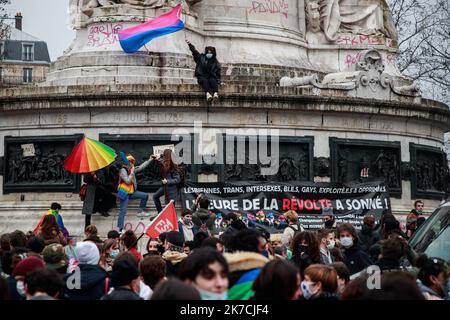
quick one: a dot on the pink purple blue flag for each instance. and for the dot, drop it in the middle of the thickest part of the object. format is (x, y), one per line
(132, 39)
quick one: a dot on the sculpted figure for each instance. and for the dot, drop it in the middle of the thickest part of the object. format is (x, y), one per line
(368, 17)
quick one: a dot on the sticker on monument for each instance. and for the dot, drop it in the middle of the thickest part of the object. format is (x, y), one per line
(28, 150)
(160, 149)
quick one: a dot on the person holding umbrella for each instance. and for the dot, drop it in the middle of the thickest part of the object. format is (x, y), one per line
(88, 157)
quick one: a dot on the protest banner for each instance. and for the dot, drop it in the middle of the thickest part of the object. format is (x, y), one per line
(263, 203)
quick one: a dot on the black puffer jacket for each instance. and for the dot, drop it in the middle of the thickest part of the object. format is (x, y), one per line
(356, 259)
(206, 68)
(367, 238)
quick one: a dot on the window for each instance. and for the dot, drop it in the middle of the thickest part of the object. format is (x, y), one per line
(28, 52)
(2, 49)
(27, 75)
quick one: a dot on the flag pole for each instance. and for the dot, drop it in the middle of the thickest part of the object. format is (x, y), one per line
(146, 229)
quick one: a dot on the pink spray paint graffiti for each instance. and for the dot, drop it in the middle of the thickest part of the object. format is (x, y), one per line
(355, 40)
(138, 230)
(270, 6)
(391, 59)
(352, 59)
(104, 34)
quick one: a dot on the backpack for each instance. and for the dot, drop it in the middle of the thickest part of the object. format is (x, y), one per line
(296, 231)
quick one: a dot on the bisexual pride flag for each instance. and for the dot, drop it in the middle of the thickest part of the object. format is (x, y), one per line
(132, 39)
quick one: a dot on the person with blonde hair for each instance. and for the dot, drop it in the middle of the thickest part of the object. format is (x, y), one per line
(293, 227)
(320, 283)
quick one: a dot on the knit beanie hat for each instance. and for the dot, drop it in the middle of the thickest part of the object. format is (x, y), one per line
(123, 272)
(87, 253)
(28, 265)
(175, 238)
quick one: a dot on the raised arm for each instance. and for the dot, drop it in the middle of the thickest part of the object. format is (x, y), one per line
(194, 51)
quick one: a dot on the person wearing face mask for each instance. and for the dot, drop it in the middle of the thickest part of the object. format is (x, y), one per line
(153, 248)
(16, 286)
(186, 227)
(433, 277)
(327, 243)
(207, 71)
(328, 218)
(206, 270)
(320, 283)
(367, 235)
(110, 251)
(125, 280)
(173, 253)
(305, 250)
(354, 257)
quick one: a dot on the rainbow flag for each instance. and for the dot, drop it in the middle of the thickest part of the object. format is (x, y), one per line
(242, 289)
(59, 220)
(132, 39)
(124, 190)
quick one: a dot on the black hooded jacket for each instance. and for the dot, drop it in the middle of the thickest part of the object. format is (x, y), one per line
(92, 281)
(368, 237)
(356, 259)
(206, 68)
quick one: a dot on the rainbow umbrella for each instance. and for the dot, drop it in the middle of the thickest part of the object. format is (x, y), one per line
(89, 156)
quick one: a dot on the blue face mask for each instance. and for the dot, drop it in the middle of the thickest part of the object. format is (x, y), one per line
(305, 290)
(206, 295)
(307, 294)
(265, 253)
(114, 254)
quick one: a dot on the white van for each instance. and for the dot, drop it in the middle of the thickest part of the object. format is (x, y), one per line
(433, 236)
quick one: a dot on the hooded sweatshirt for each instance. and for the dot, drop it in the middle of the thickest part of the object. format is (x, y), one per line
(244, 269)
(92, 283)
(206, 68)
(173, 259)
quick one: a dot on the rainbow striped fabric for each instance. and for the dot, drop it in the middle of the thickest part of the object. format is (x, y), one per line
(242, 289)
(124, 190)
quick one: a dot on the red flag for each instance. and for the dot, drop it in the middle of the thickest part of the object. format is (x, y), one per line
(166, 221)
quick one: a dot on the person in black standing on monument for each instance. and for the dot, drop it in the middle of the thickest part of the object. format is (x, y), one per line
(207, 71)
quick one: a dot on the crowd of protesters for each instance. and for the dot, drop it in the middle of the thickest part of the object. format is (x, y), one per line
(241, 263)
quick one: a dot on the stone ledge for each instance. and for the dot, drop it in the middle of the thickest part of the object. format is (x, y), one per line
(233, 96)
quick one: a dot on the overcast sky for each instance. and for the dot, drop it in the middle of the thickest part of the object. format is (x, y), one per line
(46, 20)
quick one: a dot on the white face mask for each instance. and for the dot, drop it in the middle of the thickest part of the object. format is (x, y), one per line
(331, 244)
(347, 241)
(209, 55)
(206, 295)
(20, 288)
